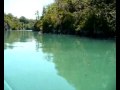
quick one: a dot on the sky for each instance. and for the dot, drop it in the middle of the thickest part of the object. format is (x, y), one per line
(26, 8)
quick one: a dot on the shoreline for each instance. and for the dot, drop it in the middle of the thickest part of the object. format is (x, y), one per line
(95, 36)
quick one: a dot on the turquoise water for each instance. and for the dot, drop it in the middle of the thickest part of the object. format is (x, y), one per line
(58, 62)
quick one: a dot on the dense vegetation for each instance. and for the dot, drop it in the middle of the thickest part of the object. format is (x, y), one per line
(14, 23)
(81, 17)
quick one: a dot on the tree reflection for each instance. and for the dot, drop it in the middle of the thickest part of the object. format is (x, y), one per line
(11, 37)
(85, 64)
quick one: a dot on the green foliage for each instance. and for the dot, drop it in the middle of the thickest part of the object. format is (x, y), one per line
(18, 23)
(88, 17)
(23, 20)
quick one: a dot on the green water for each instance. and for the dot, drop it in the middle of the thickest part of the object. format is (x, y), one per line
(58, 62)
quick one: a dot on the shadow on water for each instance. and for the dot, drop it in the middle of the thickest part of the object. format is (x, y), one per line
(86, 64)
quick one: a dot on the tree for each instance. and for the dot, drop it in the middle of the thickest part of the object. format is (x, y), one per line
(37, 15)
(87, 17)
(18, 23)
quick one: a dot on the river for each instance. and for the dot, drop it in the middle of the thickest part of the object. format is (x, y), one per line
(58, 62)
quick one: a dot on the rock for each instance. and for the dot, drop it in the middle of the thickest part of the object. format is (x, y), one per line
(6, 26)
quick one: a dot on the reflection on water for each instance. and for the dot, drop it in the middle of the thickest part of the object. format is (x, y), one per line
(57, 62)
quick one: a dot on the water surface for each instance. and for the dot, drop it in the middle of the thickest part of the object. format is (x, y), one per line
(58, 62)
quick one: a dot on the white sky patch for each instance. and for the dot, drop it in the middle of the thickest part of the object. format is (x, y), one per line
(25, 8)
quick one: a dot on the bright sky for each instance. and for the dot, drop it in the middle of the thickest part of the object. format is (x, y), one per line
(25, 8)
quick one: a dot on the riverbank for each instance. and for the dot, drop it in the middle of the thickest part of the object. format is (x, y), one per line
(94, 36)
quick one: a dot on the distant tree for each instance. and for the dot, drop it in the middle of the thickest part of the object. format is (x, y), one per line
(37, 15)
(23, 20)
(18, 23)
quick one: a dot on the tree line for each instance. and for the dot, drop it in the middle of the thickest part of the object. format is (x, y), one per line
(13, 23)
(81, 17)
